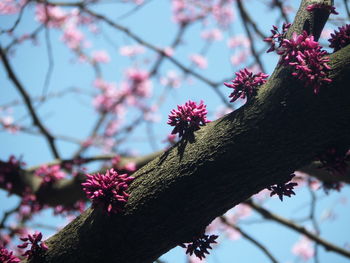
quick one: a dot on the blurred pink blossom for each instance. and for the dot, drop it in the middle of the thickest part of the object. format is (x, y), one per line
(169, 51)
(52, 16)
(171, 79)
(238, 41)
(199, 61)
(9, 7)
(223, 13)
(131, 51)
(212, 34)
(303, 249)
(239, 57)
(72, 37)
(139, 82)
(100, 56)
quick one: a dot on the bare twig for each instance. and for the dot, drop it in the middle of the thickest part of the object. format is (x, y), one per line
(269, 215)
(36, 121)
(251, 239)
(245, 18)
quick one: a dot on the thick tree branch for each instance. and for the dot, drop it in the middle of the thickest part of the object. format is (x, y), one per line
(232, 158)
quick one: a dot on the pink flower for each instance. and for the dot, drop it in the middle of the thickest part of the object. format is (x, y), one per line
(131, 51)
(303, 249)
(7, 256)
(171, 79)
(9, 7)
(330, 9)
(188, 118)
(10, 171)
(223, 13)
(139, 83)
(52, 16)
(341, 38)
(199, 61)
(282, 189)
(108, 191)
(168, 51)
(50, 174)
(238, 41)
(8, 123)
(246, 84)
(335, 160)
(277, 37)
(200, 245)
(212, 35)
(100, 56)
(306, 57)
(77, 207)
(239, 57)
(130, 167)
(72, 36)
(36, 244)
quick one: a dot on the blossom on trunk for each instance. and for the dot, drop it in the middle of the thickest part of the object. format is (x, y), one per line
(35, 243)
(308, 59)
(340, 38)
(108, 190)
(188, 118)
(7, 256)
(246, 84)
(199, 245)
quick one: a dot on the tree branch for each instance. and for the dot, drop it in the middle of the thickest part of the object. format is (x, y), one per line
(185, 188)
(327, 245)
(251, 239)
(36, 121)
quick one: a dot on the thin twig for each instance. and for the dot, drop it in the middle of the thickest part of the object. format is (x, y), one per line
(251, 239)
(36, 121)
(245, 18)
(269, 215)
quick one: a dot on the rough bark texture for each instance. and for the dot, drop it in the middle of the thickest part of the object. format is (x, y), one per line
(176, 195)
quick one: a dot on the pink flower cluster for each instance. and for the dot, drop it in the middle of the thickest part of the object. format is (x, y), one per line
(199, 61)
(246, 84)
(304, 54)
(138, 82)
(108, 100)
(72, 36)
(341, 38)
(200, 245)
(277, 37)
(77, 207)
(335, 160)
(214, 34)
(52, 16)
(9, 171)
(188, 118)
(282, 189)
(29, 204)
(100, 56)
(7, 256)
(50, 174)
(129, 167)
(36, 244)
(330, 9)
(304, 249)
(108, 190)
(131, 51)
(8, 7)
(189, 11)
